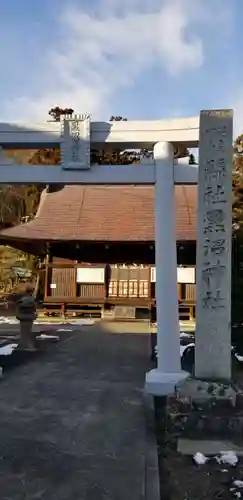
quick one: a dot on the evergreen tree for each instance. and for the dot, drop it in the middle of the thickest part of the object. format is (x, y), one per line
(237, 241)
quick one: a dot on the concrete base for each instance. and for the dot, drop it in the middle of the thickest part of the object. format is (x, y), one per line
(212, 410)
(152, 486)
(107, 314)
(203, 391)
(207, 447)
(160, 383)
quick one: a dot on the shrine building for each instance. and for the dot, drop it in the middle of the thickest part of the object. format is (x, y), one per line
(79, 229)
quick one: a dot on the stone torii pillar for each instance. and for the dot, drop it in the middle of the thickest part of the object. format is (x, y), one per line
(168, 373)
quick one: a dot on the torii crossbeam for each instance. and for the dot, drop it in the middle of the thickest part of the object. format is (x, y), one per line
(75, 135)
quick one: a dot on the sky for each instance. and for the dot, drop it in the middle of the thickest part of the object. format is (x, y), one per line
(141, 59)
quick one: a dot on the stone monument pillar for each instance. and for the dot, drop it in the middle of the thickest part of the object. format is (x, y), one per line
(214, 234)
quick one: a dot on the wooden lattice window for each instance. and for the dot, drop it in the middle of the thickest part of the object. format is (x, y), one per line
(123, 288)
(133, 288)
(113, 289)
(143, 288)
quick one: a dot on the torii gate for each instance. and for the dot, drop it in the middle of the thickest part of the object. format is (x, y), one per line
(75, 135)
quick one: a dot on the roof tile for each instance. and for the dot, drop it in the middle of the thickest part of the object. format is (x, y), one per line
(109, 213)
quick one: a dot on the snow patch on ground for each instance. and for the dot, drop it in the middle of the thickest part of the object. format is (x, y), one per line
(239, 357)
(185, 335)
(238, 483)
(39, 322)
(227, 457)
(43, 336)
(9, 321)
(64, 330)
(7, 350)
(184, 347)
(81, 321)
(236, 494)
(199, 458)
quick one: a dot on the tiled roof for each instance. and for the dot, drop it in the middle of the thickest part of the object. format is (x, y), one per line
(108, 213)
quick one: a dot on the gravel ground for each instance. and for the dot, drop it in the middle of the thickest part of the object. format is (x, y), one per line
(181, 478)
(72, 421)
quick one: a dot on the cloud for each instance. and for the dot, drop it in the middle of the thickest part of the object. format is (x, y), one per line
(106, 47)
